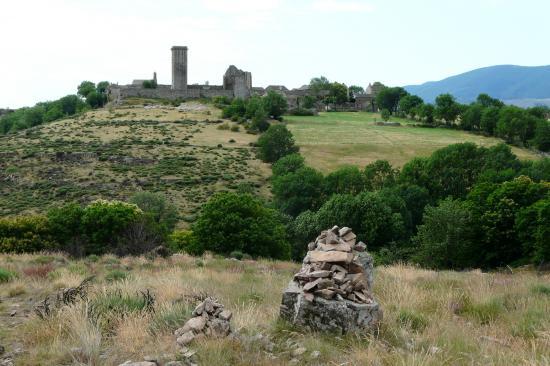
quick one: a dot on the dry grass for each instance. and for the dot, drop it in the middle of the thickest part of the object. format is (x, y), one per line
(331, 140)
(430, 318)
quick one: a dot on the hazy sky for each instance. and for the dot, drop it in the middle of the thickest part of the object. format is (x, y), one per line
(49, 46)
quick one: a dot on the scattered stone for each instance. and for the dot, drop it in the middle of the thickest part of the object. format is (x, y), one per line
(435, 350)
(142, 363)
(13, 313)
(174, 363)
(332, 290)
(209, 319)
(299, 351)
(2, 350)
(315, 354)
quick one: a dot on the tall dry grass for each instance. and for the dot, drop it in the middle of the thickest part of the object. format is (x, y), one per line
(430, 318)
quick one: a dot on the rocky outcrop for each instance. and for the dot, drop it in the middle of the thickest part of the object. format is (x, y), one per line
(333, 290)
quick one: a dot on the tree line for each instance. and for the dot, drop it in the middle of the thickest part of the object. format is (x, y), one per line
(89, 96)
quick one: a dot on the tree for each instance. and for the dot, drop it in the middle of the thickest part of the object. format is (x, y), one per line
(446, 108)
(347, 179)
(102, 87)
(426, 112)
(238, 222)
(163, 213)
(298, 191)
(409, 104)
(353, 91)
(454, 169)
(259, 120)
(388, 98)
(515, 124)
(380, 174)
(471, 117)
(275, 143)
(489, 118)
(445, 238)
(542, 135)
(339, 93)
(318, 85)
(275, 104)
(486, 101)
(85, 88)
(288, 164)
(533, 227)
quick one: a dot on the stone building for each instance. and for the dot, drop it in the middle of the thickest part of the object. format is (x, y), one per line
(236, 83)
(367, 100)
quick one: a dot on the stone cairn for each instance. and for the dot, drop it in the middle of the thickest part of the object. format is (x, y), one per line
(332, 291)
(208, 319)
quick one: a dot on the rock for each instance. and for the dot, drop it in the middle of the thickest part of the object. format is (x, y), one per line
(320, 274)
(2, 350)
(311, 246)
(174, 363)
(298, 351)
(325, 293)
(331, 238)
(142, 363)
(315, 354)
(294, 361)
(341, 247)
(311, 285)
(185, 338)
(196, 324)
(344, 231)
(13, 313)
(333, 256)
(225, 315)
(360, 247)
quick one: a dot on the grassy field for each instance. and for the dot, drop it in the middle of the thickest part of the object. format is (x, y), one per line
(112, 153)
(430, 318)
(331, 140)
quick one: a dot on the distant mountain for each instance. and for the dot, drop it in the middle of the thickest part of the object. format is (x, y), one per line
(518, 85)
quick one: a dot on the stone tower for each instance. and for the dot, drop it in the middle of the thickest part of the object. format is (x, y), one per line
(179, 68)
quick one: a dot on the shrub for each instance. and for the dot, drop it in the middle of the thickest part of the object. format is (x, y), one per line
(235, 128)
(184, 241)
(224, 126)
(275, 143)
(288, 164)
(104, 221)
(116, 275)
(302, 112)
(163, 212)
(230, 221)
(237, 254)
(6, 275)
(40, 271)
(541, 289)
(385, 114)
(25, 234)
(348, 179)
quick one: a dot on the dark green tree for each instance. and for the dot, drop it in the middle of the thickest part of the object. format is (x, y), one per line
(238, 222)
(288, 164)
(275, 143)
(380, 174)
(347, 179)
(275, 104)
(299, 191)
(446, 108)
(388, 98)
(85, 88)
(409, 104)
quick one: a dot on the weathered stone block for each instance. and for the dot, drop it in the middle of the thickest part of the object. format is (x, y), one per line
(334, 316)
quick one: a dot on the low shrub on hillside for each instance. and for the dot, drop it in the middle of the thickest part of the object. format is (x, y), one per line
(25, 234)
(184, 241)
(6, 275)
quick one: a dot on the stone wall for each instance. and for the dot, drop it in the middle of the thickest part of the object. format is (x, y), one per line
(118, 93)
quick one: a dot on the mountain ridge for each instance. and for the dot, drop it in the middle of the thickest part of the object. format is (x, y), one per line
(513, 84)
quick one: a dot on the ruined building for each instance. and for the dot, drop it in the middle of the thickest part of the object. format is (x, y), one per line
(236, 84)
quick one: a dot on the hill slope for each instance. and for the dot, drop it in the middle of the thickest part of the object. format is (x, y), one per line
(509, 83)
(111, 154)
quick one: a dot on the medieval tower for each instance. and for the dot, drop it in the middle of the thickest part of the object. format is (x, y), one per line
(179, 68)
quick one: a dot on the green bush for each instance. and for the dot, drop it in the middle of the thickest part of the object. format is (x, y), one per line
(116, 275)
(103, 222)
(302, 112)
(184, 241)
(288, 164)
(163, 212)
(26, 234)
(230, 222)
(417, 322)
(6, 275)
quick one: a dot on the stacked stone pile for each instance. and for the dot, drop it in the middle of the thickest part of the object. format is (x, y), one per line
(332, 290)
(208, 319)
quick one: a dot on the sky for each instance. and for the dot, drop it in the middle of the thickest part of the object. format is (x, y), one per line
(49, 47)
